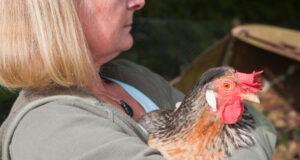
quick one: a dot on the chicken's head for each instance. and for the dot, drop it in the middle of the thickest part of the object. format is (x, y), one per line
(227, 93)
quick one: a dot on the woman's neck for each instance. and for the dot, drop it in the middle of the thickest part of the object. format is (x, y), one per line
(98, 85)
(113, 93)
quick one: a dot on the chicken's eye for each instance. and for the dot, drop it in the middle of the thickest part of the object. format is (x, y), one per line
(227, 85)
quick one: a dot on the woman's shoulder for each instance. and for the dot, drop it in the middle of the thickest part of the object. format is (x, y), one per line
(48, 123)
(66, 104)
(64, 131)
(151, 84)
(124, 69)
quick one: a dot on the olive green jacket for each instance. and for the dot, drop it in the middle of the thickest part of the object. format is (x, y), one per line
(65, 124)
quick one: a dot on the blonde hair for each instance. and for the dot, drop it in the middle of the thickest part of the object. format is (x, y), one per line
(42, 44)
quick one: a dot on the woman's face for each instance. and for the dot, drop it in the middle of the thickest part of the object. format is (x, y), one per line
(107, 25)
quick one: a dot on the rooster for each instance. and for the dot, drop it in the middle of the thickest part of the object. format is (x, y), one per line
(211, 122)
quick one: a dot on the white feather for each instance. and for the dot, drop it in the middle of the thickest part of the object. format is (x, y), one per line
(177, 105)
(211, 100)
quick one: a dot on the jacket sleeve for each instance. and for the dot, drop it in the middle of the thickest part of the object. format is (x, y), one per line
(265, 136)
(60, 132)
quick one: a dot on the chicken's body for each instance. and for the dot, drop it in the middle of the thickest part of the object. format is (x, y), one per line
(194, 132)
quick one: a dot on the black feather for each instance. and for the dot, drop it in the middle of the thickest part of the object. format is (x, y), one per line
(212, 74)
(207, 77)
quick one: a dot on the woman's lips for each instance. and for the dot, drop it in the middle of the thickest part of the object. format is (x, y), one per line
(128, 27)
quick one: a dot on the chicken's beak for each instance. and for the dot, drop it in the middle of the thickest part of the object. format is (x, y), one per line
(250, 97)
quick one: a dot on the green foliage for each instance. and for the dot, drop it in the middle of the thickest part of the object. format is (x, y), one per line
(297, 133)
(6, 95)
(262, 11)
(285, 140)
(167, 46)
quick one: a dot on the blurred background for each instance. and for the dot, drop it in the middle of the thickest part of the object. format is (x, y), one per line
(181, 39)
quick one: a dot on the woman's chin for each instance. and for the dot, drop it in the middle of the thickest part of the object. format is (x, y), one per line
(127, 44)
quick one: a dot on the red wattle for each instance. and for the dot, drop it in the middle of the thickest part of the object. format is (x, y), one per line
(232, 113)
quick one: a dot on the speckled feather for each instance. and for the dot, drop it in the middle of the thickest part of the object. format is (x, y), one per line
(192, 131)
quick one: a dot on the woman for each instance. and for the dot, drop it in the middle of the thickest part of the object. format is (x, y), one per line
(54, 51)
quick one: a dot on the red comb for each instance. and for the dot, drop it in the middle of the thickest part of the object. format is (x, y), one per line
(250, 82)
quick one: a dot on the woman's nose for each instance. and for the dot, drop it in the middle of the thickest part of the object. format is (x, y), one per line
(136, 4)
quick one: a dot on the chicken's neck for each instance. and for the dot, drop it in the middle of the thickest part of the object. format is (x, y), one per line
(203, 130)
(196, 137)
